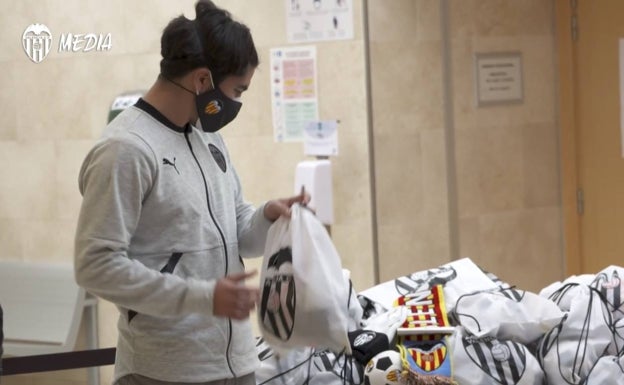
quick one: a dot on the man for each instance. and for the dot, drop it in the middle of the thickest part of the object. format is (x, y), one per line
(163, 227)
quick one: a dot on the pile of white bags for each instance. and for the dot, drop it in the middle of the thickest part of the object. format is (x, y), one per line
(572, 332)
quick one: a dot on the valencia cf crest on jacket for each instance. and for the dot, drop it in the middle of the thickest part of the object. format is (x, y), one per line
(277, 306)
(218, 157)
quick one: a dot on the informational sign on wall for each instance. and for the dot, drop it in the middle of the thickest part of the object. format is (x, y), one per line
(321, 138)
(622, 93)
(317, 20)
(293, 91)
(498, 78)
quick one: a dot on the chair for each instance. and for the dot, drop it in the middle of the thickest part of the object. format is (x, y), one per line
(43, 308)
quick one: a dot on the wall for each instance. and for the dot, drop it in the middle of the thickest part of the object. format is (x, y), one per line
(507, 156)
(506, 169)
(409, 136)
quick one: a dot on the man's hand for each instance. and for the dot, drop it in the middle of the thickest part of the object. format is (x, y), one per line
(232, 298)
(278, 207)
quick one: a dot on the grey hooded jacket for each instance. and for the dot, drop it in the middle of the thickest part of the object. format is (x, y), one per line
(163, 218)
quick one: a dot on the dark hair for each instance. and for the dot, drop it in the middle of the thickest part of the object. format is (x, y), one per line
(212, 40)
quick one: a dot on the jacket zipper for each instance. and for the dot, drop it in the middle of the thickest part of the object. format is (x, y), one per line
(214, 220)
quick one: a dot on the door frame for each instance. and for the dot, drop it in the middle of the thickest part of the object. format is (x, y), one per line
(567, 100)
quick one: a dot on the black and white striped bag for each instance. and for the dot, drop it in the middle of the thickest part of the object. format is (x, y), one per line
(609, 283)
(304, 295)
(570, 350)
(457, 278)
(490, 361)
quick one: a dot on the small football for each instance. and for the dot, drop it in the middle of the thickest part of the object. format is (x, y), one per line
(383, 369)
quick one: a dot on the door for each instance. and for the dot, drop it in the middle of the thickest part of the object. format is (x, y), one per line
(588, 34)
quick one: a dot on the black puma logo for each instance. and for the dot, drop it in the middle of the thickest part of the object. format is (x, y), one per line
(168, 162)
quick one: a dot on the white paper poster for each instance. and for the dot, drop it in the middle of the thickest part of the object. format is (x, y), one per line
(622, 93)
(316, 20)
(321, 138)
(293, 91)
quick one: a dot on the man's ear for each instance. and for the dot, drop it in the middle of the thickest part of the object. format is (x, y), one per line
(202, 80)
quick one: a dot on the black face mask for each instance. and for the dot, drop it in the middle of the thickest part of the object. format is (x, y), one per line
(214, 108)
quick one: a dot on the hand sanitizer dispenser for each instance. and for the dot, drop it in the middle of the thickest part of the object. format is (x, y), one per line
(122, 102)
(315, 176)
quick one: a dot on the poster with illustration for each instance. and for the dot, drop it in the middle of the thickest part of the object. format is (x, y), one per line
(318, 20)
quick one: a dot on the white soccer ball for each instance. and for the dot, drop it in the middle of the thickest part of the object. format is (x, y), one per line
(383, 369)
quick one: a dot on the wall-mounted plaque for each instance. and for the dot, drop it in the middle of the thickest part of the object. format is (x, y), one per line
(498, 78)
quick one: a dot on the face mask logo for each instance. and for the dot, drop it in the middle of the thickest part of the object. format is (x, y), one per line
(213, 107)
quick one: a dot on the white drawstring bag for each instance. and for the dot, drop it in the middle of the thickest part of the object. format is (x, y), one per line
(508, 314)
(355, 311)
(609, 283)
(489, 361)
(618, 329)
(562, 293)
(617, 346)
(609, 370)
(307, 366)
(304, 295)
(457, 278)
(569, 351)
(292, 368)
